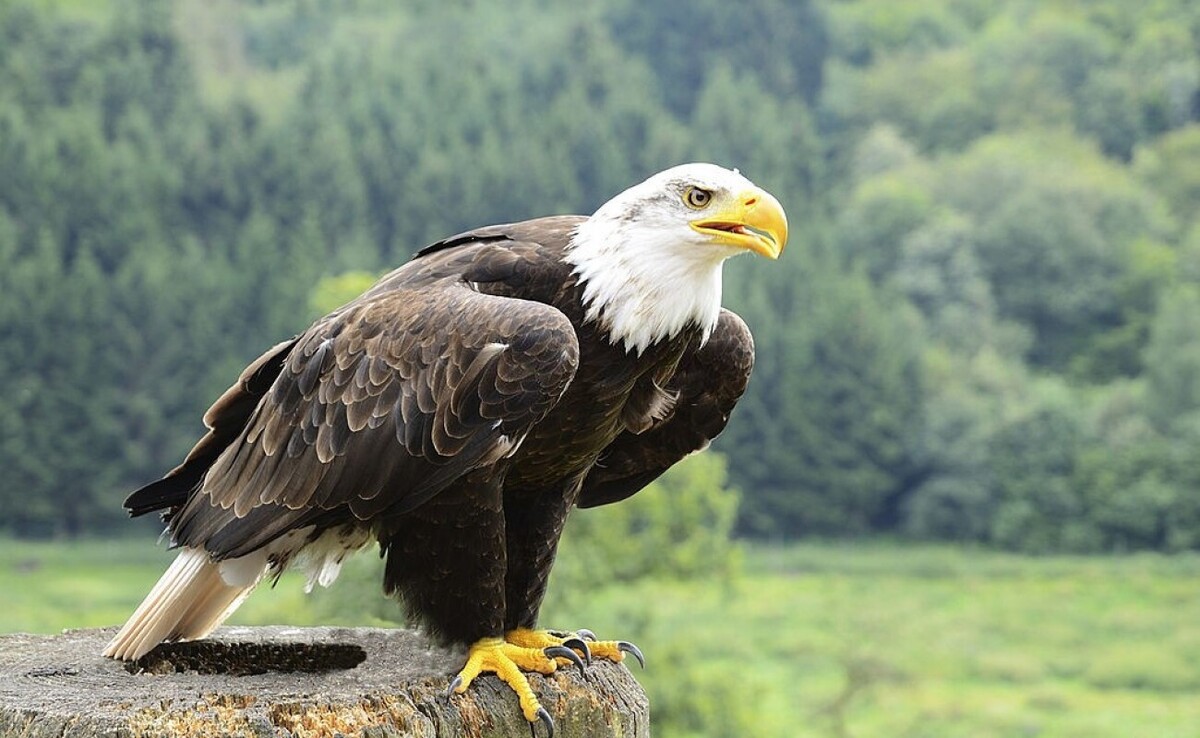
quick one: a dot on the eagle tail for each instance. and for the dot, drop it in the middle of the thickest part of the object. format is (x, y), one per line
(192, 597)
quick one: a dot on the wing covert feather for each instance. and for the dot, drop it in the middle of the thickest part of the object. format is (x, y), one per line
(379, 407)
(706, 386)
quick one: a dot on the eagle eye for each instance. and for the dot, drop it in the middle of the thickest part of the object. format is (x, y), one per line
(697, 198)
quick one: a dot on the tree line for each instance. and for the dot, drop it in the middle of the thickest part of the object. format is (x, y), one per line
(985, 327)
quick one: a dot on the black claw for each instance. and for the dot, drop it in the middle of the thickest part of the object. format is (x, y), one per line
(544, 718)
(566, 653)
(586, 634)
(633, 650)
(453, 686)
(581, 645)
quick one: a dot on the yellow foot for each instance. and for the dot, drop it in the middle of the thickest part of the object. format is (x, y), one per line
(583, 641)
(543, 651)
(507, 661)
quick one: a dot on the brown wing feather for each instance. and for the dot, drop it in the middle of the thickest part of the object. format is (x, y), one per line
(224, 420)
(380, 406)
(705, 387)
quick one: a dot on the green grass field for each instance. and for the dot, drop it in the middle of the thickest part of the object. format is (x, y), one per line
(812, 640)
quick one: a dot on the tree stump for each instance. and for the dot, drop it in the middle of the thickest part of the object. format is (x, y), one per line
(281, 681)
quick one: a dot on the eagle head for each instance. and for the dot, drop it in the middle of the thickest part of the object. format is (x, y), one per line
(649, 260)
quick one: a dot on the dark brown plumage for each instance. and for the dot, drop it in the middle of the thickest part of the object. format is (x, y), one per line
(455, 413)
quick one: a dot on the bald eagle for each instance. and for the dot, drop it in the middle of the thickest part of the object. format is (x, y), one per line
(459, 409)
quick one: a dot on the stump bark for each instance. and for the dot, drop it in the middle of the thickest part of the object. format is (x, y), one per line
(281, 681)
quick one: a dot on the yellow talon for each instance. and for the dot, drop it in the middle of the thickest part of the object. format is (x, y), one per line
(609, 650)
(523, 650)
(507, 660)
(532, 638)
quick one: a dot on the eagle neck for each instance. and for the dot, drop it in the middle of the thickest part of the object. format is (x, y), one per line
(646, 288)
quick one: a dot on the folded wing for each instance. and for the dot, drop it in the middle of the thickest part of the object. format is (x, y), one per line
(706, 386)
(374, 410)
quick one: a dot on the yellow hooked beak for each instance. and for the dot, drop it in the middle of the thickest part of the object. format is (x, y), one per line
(753, 220)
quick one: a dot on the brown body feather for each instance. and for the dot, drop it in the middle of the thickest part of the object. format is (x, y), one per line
(455, 412)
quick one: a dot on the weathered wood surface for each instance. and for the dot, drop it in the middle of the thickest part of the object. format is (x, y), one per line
(281, 681)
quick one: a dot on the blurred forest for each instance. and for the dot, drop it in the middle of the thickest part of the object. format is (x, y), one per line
(986, 327)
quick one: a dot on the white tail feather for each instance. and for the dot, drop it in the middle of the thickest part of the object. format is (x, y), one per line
(196, 594)
(188, 602)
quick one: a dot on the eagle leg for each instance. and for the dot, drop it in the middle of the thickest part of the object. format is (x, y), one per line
(508, 661)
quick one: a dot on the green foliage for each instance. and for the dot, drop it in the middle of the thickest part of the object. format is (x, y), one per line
(701, 699)
(864, 30)
(932, 98)
(1173, 359)
(334, 291)
(1171, 165)
(676, 528)
(687, 45)
(946, 73)
(1045, 235)
(940, 272)
(981, 329)
(1032, 460)
(840, 379)
(880, 209)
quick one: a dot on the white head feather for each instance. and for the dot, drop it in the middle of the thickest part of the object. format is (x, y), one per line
(646, 273)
